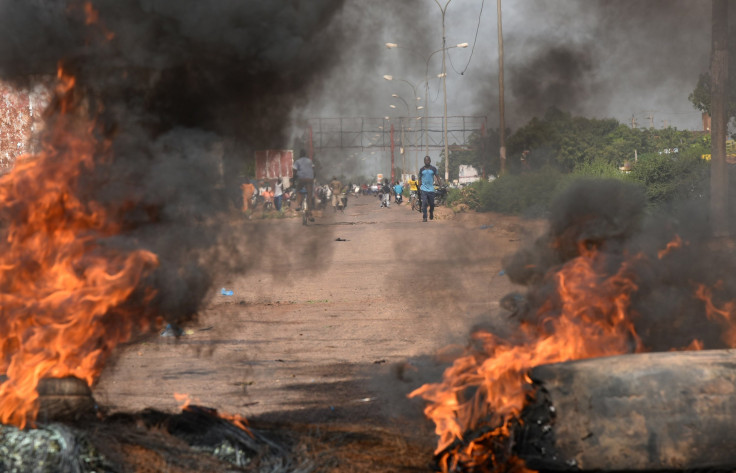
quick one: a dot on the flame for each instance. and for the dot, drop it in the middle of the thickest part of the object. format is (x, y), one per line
(235, 419)
(183, 399)
(63, 294)
(723, 315)
(589, 316)
(674, 244)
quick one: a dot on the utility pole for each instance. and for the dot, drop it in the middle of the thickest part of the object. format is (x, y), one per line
(651, 120)
(501, 119)
(633, 122)
(392, 153)
(719, 77)
(444, 86)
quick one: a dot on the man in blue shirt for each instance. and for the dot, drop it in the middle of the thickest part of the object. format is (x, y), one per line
(398, 192)
(427, 178)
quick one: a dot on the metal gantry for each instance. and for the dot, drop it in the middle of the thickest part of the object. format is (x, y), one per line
(366, 133)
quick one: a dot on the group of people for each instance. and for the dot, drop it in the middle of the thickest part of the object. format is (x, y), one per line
(303, 187)
(266, 194)
(303, 169)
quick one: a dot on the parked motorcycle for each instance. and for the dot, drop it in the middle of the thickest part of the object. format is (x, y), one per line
(440, 195)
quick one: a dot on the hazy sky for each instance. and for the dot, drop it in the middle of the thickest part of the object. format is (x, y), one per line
(605, 59)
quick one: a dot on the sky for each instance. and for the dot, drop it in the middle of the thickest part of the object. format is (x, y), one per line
(594, 58)
(259, 73)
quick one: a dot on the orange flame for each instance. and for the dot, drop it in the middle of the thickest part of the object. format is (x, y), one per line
(235, 419)
(183, 399)
(588, 317)
(674, 244)
(723, 315)
(62, 294)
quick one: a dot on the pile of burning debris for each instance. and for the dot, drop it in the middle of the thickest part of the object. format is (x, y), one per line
(602, 369)
(74, 436)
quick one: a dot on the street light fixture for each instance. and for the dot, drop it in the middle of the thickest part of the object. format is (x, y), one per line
(443, 76)
(389, 77)
(401, 122)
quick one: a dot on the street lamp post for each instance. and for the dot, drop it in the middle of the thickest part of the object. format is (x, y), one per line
(443, 75)
(444, 85)
(389, 77)
(401, 121)
(502, 124)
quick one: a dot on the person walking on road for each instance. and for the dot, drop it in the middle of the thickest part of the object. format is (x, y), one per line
(278, 194)
(248, 190)
(304, 173)
(385, 194)
(427, 179)
(336, 189)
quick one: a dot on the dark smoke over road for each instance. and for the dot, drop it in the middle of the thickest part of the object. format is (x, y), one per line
(185, 91)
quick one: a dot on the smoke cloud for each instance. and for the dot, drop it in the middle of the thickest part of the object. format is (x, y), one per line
(185, 91)
(605, 59)
(675, 267)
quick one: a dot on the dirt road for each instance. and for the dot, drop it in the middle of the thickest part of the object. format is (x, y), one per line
(339, 338)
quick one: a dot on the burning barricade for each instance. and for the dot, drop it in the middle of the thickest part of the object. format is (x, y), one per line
(573, 388)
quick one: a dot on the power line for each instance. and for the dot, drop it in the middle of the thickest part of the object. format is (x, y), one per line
(475, 40)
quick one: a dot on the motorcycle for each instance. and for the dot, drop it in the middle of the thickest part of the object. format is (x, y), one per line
(342, 202)
(440, 195)
(398, 198)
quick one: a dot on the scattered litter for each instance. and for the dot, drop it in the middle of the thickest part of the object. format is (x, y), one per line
(225, 292)
(378, 362)
(367, 399)
(501, 273)
(171, 331)
(483, 227)
(340, 239)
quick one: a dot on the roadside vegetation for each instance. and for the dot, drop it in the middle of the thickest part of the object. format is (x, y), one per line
(560, 148)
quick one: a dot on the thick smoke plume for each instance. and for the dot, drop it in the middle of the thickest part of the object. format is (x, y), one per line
(185, 92)
(601, 59)
(679, 274)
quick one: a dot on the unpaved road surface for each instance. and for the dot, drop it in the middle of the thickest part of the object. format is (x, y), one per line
(340, 336)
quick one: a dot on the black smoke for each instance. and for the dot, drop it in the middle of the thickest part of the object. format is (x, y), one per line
(599, 59)
(611, 217)
(185, 91)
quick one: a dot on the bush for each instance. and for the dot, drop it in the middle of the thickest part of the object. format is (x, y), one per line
(467, 195)
(670, 177)
(528, 193)
(598, 168)
(667, 178)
